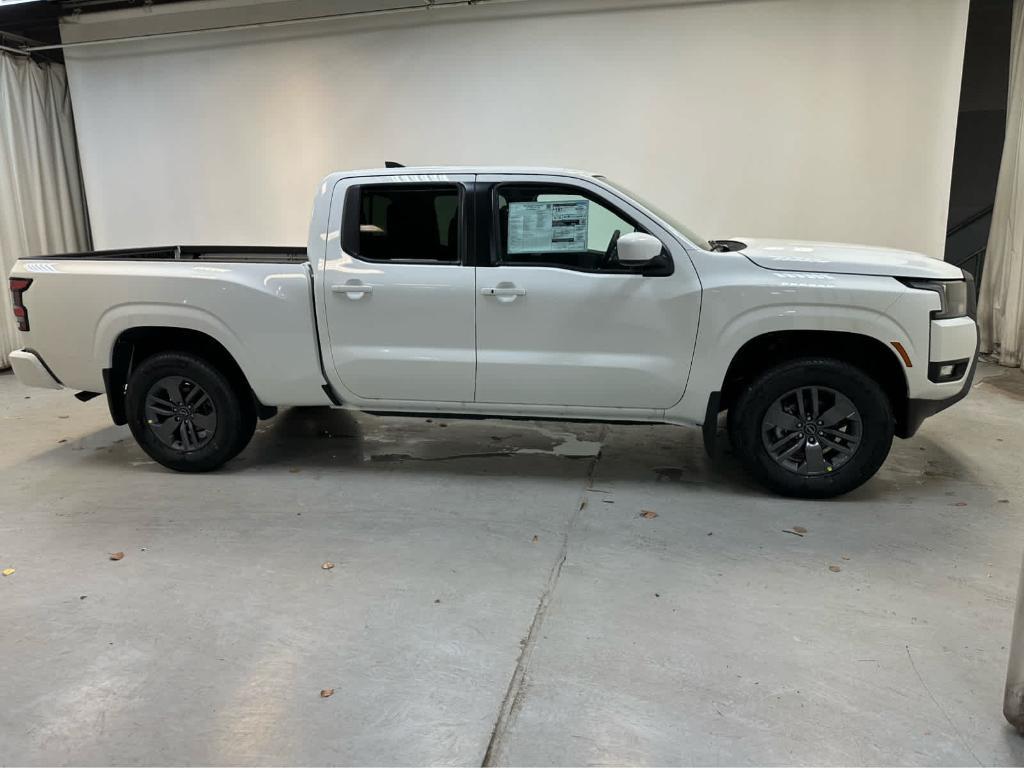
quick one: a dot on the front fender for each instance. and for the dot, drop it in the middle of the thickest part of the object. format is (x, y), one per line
(737, 314)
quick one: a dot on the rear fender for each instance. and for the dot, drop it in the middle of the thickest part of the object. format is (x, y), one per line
(116, 320)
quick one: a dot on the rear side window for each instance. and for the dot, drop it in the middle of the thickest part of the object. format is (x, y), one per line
(403, 222)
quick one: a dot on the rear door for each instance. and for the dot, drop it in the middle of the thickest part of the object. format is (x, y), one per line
(559, 322)
(398, 290)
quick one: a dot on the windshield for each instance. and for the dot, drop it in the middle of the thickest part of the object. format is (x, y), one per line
(684, 230)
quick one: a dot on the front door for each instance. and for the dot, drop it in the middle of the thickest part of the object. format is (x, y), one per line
(398, 298)
(559, 321)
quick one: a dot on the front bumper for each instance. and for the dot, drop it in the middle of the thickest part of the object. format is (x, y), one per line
(32, 371)
(919, 409)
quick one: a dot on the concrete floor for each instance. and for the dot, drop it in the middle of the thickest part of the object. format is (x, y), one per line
(498, 597)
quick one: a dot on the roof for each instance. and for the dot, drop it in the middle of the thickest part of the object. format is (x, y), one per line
(434, 170)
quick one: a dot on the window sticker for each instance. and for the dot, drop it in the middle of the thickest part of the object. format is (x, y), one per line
(552, 227)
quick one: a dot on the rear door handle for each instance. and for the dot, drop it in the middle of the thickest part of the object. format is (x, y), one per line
(503, 291)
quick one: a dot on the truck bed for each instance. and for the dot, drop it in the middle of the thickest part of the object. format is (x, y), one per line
(260, 254)
(256, 302)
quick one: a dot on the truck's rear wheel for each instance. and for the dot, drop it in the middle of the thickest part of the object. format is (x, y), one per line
(812, 428)
(186, 414)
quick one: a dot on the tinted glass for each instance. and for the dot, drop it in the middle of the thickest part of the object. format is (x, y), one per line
(405, 223)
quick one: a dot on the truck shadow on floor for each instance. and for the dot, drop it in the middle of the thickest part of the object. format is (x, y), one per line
(317, 439)
(323, 439)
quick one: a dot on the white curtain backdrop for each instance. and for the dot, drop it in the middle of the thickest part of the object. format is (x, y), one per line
(1001, 309)
(42, 207)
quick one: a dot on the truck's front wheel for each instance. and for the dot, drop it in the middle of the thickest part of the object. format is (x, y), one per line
(186, 414)
(814, 427)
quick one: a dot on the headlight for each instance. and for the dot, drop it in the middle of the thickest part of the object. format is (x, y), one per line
(956, 299)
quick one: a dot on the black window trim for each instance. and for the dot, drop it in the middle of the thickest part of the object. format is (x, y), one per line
(494, 251)
(350, 222)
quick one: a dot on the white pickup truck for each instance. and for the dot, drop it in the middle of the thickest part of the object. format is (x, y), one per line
(515, 293)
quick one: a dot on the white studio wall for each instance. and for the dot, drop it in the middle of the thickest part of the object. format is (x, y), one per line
(816, 119)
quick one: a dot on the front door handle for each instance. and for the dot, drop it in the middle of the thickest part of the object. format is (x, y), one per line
(352, 290)
(502, 290)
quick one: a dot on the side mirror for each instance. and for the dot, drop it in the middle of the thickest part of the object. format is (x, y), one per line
(638, 248)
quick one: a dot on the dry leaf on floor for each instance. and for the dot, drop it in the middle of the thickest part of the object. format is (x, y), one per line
(960, 504)
(326, 692)
(7, 571)
(536, 539)
(293, 470)
(648, 514)
(327, 566)
(116, 555)
(793, 531)
(845, 557)
(835, 568)
(799, 529)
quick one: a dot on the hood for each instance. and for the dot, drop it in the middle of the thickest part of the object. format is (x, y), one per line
(806, 256)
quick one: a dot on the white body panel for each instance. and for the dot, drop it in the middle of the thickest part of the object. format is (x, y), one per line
(583, 338)
(31, 372)
(424, 338)
(575, 338)
(743, 301)
(953, 339)
(260, 313)
(846, 259)
(397, 331)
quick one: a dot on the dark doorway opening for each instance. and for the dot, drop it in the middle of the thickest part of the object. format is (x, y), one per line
(980, 127)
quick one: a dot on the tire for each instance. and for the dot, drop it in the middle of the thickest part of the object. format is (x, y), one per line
(836, 456)
(218, 416)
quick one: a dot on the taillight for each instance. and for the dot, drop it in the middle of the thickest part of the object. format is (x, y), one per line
(18, 287)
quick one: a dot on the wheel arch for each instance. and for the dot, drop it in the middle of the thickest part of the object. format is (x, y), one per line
(877, 359)
(134, 345)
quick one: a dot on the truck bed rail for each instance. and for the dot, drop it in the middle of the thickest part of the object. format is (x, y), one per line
(254, 254)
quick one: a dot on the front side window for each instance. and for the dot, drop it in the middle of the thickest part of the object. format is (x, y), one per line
(402, 222)
(555, 226)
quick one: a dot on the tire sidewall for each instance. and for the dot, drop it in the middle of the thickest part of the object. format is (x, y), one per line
(876, 420)
(224, 444)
